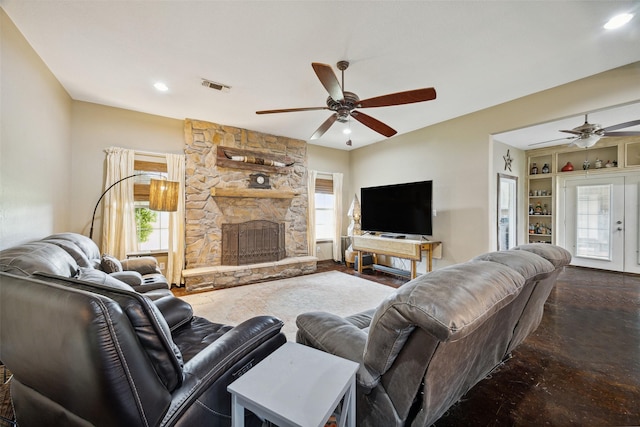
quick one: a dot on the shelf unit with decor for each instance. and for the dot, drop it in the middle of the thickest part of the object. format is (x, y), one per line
(595, 159)
(540, 205)
(609, 155)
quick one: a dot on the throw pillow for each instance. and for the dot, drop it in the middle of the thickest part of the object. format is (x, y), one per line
(110, 264)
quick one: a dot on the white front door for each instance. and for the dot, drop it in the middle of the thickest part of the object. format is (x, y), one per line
(594, 221)
(600, 217)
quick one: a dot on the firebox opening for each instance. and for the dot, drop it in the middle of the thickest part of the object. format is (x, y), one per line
(252, 242)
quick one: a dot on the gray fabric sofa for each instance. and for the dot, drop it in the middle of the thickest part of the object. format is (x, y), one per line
(77, 256)
(436, 336)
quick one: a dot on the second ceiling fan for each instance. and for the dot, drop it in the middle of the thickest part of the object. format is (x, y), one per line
(344, 104)
(588, 134)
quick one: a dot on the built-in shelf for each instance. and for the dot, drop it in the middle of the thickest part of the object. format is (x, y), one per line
(253, 192)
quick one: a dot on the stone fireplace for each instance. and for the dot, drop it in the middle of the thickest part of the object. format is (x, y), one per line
(222, 193)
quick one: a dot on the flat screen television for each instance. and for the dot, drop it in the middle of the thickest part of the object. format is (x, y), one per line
(399, 208)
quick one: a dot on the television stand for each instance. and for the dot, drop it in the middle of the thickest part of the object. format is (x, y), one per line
(401, 248)
(393, 236)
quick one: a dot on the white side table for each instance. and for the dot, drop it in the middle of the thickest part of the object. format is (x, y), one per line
(298, 386)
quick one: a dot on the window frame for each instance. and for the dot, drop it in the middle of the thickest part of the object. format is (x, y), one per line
(141, 190)
(324, 186)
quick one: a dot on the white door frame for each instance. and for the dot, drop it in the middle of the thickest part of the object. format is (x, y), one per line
(632, 223)
(625, 242)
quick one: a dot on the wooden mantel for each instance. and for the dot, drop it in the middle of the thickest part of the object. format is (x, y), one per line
(253, 192)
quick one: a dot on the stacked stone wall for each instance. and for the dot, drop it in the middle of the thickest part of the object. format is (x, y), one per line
(205, 213)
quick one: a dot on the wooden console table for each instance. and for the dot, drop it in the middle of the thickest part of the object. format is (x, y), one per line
(401, 248)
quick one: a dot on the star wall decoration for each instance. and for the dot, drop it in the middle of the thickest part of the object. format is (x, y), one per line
(507, 161)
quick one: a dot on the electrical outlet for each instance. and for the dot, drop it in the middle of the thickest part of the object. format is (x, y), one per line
(161, 265)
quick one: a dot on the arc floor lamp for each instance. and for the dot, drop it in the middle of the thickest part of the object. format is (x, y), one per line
(163, 196)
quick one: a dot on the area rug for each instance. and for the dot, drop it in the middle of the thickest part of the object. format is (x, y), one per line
(331, 291)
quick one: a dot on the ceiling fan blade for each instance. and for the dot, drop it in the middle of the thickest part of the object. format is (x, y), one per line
(291, 110)
(621, 126)
(553, 140)
(324, 126)
(627, 133)
(573, 132)
(399, 98)
(329, 80)
(374, 124)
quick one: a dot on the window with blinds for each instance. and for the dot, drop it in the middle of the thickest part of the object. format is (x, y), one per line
(152, 227)
(325, 215)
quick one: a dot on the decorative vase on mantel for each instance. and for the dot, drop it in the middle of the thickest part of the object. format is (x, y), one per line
(567, 168)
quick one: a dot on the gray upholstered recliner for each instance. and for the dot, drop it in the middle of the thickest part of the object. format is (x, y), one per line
(84, 354)
(436, 336)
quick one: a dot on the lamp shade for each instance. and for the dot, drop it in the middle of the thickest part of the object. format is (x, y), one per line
(163, 195)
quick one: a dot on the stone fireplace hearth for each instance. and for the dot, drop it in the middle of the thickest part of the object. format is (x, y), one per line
(220, 193)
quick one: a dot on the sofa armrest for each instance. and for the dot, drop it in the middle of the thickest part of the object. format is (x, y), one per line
(131, 278)
(175, 311)
(146, 287)
(331, 334)
(336, 335)
(208, 373)
(143, 265)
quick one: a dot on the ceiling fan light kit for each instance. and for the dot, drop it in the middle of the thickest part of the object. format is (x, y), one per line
(587, 141)
(344, 103)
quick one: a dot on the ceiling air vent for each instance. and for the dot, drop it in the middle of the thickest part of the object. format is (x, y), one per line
(216, 86)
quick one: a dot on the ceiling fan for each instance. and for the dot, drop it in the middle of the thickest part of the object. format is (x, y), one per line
(344, 104)
(587, 134)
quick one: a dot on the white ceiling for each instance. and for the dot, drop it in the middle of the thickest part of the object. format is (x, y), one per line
(475, 53)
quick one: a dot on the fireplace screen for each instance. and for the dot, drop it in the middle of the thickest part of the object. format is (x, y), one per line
(252, 242)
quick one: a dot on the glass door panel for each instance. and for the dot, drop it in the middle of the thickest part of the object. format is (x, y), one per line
(593, 214)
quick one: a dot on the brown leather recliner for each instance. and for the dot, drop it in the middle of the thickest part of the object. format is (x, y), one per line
(85, 354)
(75, 255)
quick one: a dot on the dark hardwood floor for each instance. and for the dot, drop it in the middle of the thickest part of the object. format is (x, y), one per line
(581, 367)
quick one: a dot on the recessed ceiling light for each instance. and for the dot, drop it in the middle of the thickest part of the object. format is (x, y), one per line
(618, 21)
(161, 87)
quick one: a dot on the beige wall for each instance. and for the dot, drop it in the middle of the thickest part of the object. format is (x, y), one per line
(455, 158)
(95, 127)
(35, 145)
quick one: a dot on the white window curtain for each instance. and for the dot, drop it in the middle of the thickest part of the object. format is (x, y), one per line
(175, 261)
(311, 215)
(337, 211)
(118, 218)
